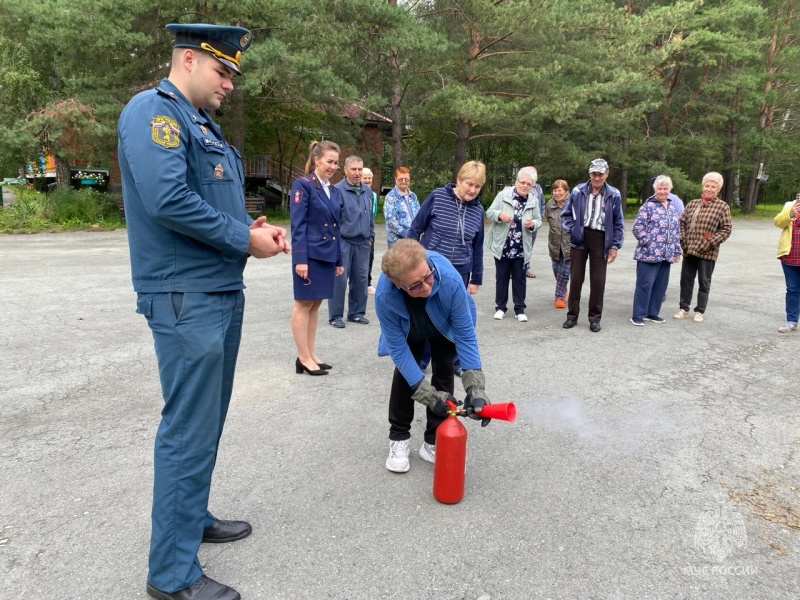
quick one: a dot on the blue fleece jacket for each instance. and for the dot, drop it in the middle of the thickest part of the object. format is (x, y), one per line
(449, 306)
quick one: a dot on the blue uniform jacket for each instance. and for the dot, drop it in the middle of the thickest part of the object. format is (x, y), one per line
(575, 209)
(449, 306)
(314, 222)
(357, 224)
(182, 184)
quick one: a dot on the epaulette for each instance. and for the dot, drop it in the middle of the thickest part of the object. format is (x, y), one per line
(170, 95)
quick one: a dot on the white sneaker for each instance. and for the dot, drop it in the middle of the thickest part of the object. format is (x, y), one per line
(681, 314)
(698, 317)
(427, 452)
(790, 327)
(499, 315)
(522, 318)
(398, 456)
(371, 289)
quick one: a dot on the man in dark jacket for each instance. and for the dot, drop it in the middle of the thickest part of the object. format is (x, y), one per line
(357, 236)
(593, 216)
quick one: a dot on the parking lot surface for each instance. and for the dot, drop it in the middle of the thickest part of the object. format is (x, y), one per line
(645, 462)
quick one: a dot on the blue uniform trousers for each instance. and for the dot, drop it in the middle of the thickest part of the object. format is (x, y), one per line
(196, 341)
(355, 259)
(652, 280)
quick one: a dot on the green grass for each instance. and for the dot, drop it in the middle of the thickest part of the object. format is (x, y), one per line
(762, 211)
(65, 209)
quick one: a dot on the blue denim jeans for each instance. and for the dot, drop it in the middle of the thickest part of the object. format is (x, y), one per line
(652, 280)
(792, 275)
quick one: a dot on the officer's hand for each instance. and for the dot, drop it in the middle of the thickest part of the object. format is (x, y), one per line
(339, 270)
(265, 242)
(278, 233)
(432, 398)
(475, 384)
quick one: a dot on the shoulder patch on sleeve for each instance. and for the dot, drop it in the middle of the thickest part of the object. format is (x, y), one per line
(165, 131)
(298, 197)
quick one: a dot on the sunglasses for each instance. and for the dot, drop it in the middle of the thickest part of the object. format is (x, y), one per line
(415, 287)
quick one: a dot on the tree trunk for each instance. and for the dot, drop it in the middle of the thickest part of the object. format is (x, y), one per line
(730, 163)
(751, 199)
(397, 113)
(462, 140)
(236, 104)
(623, 174)
(62, 170)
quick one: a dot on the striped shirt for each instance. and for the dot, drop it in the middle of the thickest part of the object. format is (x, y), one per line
(452, 228)
(595, 217)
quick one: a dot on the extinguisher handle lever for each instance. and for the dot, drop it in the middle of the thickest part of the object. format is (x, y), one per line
(454, 408)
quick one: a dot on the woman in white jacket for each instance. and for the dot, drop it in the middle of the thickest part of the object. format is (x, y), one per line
(515, 215)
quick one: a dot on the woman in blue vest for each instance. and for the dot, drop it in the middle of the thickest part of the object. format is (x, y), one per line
(314, 209)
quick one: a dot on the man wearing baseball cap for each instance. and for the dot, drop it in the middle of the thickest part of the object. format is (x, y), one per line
(189, 238)
(593, 216)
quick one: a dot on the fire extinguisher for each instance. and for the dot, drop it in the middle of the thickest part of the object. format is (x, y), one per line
(450, 465)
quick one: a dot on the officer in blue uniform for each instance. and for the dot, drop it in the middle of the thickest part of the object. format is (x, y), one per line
(189, 237)
(316, 252)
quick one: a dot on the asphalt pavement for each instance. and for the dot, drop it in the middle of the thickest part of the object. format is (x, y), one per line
(645, 462)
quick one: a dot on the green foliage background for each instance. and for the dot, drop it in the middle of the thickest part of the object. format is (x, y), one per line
(676, 87)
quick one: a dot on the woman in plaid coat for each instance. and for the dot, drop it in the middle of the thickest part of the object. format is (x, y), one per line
(705, 224)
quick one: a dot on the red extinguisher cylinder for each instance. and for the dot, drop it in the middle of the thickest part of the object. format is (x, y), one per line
(449, 467)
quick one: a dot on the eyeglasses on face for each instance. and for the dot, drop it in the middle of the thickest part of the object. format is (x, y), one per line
(427, 280)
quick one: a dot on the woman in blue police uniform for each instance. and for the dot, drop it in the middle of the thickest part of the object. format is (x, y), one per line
(189, 238)
(314, 209)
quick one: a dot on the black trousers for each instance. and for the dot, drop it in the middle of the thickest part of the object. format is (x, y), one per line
(594, 243)
(371, 260)
(513, 269)
(702, 269)
(401, 406)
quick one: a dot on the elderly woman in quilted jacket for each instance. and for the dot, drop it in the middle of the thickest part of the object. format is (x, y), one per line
(705, 224)
(657, 232)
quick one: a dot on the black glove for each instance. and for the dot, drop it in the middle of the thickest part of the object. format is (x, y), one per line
(474, 382)
(436, 400)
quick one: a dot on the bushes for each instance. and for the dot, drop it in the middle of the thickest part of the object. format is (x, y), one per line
(60, 210)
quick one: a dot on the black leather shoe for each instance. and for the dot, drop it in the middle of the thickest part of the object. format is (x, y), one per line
(458, 371)
(595, 327)
(359, 320)
(204, 588)
(226, 531)
(569, 323)
(300, 367)
(338, 323)
(325, 366)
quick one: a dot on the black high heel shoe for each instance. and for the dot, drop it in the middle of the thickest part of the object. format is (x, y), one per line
(325, 366)
(300, 367)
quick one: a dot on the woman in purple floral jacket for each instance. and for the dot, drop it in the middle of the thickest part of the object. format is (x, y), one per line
(657, 231)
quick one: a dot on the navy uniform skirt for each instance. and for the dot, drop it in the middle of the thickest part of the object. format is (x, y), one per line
(318, 285)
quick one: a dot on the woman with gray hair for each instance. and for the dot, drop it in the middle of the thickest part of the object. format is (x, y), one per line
(657, 232)
(515, 216)
(705, 224)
